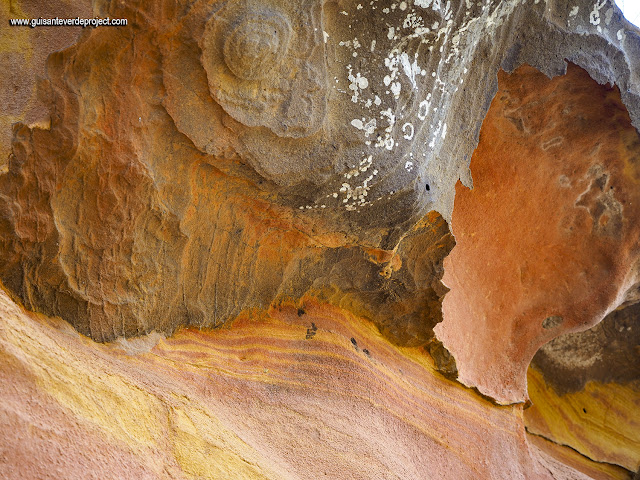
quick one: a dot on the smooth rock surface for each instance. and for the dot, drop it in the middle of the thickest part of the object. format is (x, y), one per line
(277, 395)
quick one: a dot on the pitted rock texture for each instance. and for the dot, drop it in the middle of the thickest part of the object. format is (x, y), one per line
(547, 240)
(214, 156)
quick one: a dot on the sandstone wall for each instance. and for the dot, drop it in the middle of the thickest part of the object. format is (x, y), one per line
(277, 239)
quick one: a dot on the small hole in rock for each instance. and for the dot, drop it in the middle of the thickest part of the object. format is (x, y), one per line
(427, 187)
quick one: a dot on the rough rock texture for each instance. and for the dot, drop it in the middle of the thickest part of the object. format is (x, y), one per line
(557, 167)
(600, 421)
(585, 389)
(250, 205)
(23, 52)
(277, 395)
(182, 180)
(606, 353)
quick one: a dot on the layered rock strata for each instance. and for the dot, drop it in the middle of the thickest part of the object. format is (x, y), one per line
(283, 221)
(262, 399)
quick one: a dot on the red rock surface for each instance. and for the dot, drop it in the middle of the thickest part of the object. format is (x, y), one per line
(549, 230)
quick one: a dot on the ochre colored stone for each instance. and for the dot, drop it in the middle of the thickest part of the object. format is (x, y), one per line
(249, 201)
(585, 390)
(23, 54)
(601, 421)
(547, 239)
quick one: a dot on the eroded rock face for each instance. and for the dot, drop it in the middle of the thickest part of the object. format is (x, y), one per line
(237, 153)
(284, 172)
(585, 389)
(606, 353)
(23, 54)
(547, 240)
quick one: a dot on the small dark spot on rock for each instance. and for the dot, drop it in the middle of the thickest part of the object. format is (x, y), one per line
(311, 332)
(353, 342)
(552, 322)
(301, 312)
(584, 410)
(427, 187)
(601, 181)
(366, 352)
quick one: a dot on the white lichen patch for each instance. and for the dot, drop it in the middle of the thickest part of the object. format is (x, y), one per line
(410, 69)
(594, 15)
(352, 196)
(408, 131)
(368, 127)
(402, 106)
(357, 83)
(608, 15)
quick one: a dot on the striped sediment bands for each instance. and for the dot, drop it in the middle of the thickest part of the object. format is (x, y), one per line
(600, 420)
(263, 399)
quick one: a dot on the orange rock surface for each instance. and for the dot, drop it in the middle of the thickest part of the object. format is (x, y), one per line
(547, 239)
(233, 217)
